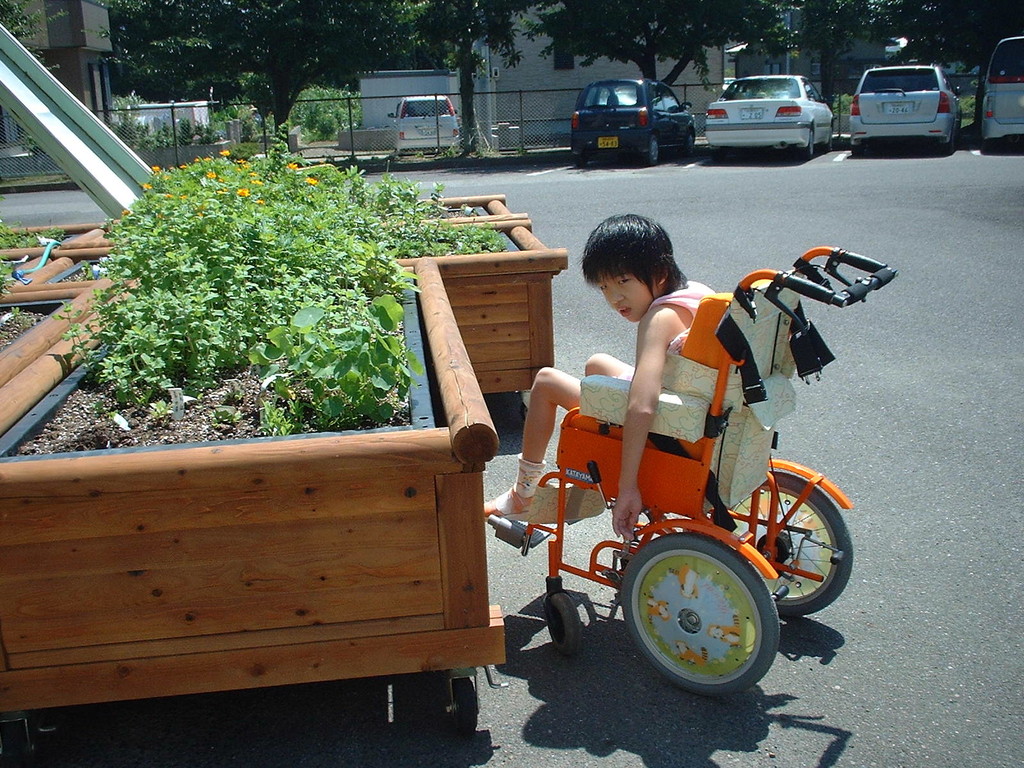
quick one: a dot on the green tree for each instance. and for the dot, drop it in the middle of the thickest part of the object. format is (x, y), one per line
(650, 32)
(830, 28)
(452, 29)
(19, 19)
(267, 50)
(951, 31)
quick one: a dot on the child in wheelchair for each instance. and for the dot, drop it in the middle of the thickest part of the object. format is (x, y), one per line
(630, 259)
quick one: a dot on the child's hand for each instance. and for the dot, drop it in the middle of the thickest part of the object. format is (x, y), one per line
(626, 512)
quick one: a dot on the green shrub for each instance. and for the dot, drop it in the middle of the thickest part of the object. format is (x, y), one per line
(322, 112)
(219, 256)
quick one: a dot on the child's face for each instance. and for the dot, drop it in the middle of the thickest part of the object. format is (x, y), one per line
(627, 295)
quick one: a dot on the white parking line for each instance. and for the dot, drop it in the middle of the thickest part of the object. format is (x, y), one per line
(840, 157)
(549, 170)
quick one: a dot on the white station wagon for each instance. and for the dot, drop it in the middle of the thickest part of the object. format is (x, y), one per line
(783, 111)
(905, 103)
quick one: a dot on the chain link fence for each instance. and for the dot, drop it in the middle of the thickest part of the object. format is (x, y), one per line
(357, 127)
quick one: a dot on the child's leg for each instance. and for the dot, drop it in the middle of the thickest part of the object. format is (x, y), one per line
(606, 365)
(551, 388)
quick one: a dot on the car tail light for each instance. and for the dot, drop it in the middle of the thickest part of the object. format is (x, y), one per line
(575, 121)
(944, 103)
(855, 106)
(642, 117)
(717, 113)
(788, 112)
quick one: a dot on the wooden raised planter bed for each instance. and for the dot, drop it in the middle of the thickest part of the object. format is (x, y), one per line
(502, 301)
(215, 566)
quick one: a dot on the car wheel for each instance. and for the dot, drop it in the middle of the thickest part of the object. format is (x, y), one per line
(828, 141)
(718, 154)
(807, 153)
(857, 150)
(686, 150)
(580, 160)
(949, 147)
(653, 151)
(988, 146)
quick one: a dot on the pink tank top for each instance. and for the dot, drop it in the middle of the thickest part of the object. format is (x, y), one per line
(688, 298)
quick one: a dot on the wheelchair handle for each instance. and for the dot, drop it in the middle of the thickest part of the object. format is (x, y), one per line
(811, 280)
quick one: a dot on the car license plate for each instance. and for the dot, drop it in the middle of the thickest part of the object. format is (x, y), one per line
(607, 142)
(752, 113)
(898, 107)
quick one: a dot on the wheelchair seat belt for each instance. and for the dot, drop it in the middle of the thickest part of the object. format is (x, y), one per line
(736, 345)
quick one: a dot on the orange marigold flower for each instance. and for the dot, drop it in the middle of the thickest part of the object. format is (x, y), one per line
(147, 186)
(243, 192)
(311, 180)
(155, 168)
(225, 152)
(211, 175)
(293, 166)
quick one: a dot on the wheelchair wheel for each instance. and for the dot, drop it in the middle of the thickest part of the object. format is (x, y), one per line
(564, 624)
(701, 614)
(816, 540)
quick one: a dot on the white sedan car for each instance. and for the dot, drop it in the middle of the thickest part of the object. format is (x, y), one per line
(783, 111)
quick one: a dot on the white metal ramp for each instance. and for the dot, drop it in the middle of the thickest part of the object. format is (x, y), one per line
(88, 151)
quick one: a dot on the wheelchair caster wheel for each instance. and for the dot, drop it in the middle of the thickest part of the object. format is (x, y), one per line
(564, 623)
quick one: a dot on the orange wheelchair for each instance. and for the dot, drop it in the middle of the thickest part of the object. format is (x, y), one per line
(731, 536)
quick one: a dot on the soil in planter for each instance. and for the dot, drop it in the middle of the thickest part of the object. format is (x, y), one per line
(13, 324)
(90, 419)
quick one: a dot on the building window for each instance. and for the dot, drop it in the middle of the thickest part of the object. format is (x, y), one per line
(563, 59)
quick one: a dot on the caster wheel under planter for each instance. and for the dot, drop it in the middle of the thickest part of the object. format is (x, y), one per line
(465, 705)
(17, 748)
(701, 614)
(563, 623)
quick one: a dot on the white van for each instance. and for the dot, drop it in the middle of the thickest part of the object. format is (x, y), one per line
(1002, 114)
(426, 122)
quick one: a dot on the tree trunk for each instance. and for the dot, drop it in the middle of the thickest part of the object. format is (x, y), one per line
(467, 88)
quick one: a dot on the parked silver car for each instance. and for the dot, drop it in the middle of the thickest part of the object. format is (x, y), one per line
(905, 103)
(783, 111)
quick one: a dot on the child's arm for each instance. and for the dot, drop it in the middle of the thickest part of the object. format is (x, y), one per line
(655, 332)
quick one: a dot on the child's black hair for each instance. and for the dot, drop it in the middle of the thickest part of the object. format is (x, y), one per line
(630, 244)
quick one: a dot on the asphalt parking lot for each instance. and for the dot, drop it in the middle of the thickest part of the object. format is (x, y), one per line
(919, 663)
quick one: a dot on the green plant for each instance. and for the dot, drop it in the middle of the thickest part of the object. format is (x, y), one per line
(219, 256)
(160, 410)
(337, 367)
(322, 112)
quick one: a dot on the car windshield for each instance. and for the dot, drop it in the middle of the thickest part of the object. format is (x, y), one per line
(900, 80)
(425, 108)
(612, 95)
(762, 88)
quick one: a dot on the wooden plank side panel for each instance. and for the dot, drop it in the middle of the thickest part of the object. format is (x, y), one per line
(100, 495)
(214, 581)
(313, 633)
(253, 668)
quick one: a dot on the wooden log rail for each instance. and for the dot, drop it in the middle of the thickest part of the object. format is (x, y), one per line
(473, 436)
(39, 359)
(92, 244)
